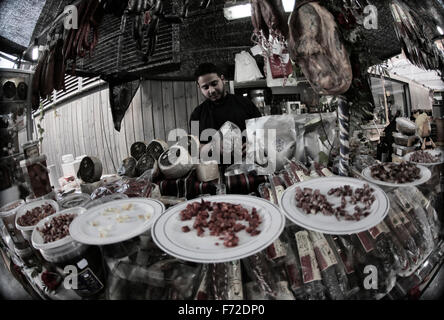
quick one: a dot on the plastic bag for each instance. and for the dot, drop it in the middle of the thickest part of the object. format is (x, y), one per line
(260, 272)
(271, 141)
(246, 68)
(329, 267)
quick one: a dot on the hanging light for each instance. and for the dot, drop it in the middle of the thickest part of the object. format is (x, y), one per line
(237, 10)
(288, 5)
(35, 53)
(242, 9)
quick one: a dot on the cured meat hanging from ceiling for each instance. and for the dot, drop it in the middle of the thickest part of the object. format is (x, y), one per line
(63, 44)
(147, 14)
(418, 48)
(314, 44)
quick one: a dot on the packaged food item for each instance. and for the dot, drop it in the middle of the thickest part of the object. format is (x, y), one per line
(368, 258)
(397, 227)
(345, 258)
(260, 272)
(328, 265)
(311, 274)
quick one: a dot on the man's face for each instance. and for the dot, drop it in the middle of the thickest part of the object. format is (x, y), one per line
(212, 86)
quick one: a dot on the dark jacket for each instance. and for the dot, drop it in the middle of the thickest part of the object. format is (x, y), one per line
(231, 108)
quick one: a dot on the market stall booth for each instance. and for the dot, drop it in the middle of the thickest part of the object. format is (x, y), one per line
(311, 208)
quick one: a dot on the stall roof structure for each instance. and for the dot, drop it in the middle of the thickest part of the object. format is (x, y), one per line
(17, 23)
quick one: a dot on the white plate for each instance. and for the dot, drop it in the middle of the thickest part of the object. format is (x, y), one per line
(424, 174)
(168, 235)
(329, 224)
(431, 152)
(114, 226)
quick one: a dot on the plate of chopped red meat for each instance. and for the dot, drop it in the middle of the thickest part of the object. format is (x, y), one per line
(404, 174)
(335, 205)
(217, 229)
(425, 157)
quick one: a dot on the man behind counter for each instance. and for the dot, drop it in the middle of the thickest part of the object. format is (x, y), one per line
(219, 106)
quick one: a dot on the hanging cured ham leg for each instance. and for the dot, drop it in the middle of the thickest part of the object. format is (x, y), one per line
(315, 46)
(268, 16)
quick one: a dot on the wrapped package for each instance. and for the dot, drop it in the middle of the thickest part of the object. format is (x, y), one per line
(294, 273)
(287, 178)
(271, 141)
(366, 254)
(297, 170)
(344, 255)
(386, 240)
(424, 215)
(202, 292)
(410, 215)
(319, 134)
(429, 205)
(311, 275)
(397, 227)
(384, 246)
(224, 281)
(283, 288)
(246, 68)
(260, 272)
(328, 265)
(266, 192)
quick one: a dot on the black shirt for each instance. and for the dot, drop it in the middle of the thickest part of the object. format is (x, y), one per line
(231, 108)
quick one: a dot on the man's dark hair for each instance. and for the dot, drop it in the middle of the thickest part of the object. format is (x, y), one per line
(206, 68)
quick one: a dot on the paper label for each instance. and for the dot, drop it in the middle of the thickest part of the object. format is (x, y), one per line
(279, 192)
(276, 250)
(327, 172)
(323, 251)
(403, 200)
(384, 227)
(365, 241)
(310, 270)
(314, 174)
(375, 232)
(399, 152)
(394, 219)
(403, 218)
(419, 197)
(300, 174)
(256, 50)
(235, 291)
(88, 281)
